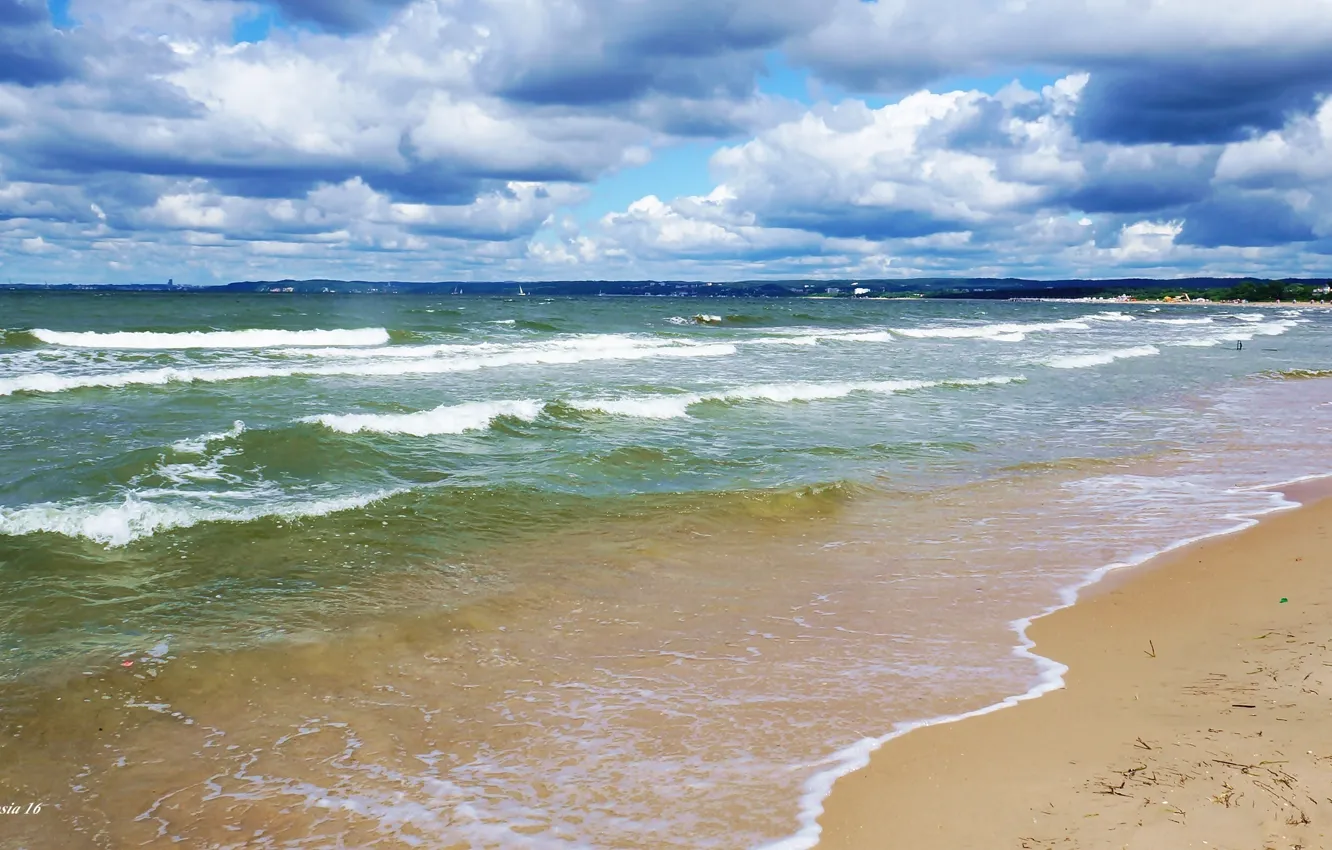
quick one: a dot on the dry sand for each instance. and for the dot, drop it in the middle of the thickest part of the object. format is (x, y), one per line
(1197, 713)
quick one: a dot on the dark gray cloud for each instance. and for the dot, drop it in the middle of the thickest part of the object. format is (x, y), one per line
(338, 15)
(32, 52)
(73, 157)
(1146, 184)
(1202, 99)
(609, 51)
(600, 83)
(22, 13)
(1243, 220)
(428, 185)
(867, 223)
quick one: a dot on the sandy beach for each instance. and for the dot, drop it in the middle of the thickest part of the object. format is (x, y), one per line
(1195, 714)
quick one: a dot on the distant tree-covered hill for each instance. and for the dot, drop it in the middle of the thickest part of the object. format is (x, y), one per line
(1212, 288)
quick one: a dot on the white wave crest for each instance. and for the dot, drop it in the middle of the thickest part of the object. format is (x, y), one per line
(52, 382)
(199, 445)
(476, 416)
(136, 517)
(814, 336)
(642, 407)
(445, 419)
(1009, 332)
(1268, 328)
(785, 393)
(860, 336)
(1084, 361)
(253, 338)
(1245, 334)
(593, 343)
(1206, 320)
(493, 357)
(812, 339)
(393, 352)
(677, 406)
(1195, 342)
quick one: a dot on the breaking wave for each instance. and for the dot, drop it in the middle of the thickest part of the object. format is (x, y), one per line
(199, 445)
(810, 336)
(1244, 334)
(498, 356)
(118, 524)
(445, 419)
(477, 416)
(1085, 361)
(1202, 321)
(1008, 332)
(677, 406)
(593, 343)
(254, 338)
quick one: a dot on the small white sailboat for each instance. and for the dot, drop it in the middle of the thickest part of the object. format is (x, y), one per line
(520, 290)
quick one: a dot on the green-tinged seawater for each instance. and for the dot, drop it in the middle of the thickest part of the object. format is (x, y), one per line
(189, 476)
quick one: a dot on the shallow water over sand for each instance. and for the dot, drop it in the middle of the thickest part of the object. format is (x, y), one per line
(654, 639)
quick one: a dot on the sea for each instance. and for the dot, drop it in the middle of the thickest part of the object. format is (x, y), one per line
(283, 570)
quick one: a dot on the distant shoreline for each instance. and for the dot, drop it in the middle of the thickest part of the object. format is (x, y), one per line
(1205, 290)
(1197, 302)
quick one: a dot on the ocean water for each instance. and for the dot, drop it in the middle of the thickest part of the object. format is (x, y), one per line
(284, 570)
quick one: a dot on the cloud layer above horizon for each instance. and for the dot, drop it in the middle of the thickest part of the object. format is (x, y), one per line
(213, 140)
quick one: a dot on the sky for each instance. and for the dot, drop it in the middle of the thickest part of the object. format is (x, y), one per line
(206, 141)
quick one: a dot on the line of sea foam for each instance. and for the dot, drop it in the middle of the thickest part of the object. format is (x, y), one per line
(1003, 332)
(250, 338)
(571, 342)
(47, 382)
(118, 524)
(1244, 334)
(475, 416)
(445, 419)
(1102, 358)
(199, 445)
(676, 406)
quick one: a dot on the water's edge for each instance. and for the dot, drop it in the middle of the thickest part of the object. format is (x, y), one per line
(1050, 675)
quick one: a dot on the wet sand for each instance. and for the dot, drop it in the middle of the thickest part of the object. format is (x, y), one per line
(1195, 715)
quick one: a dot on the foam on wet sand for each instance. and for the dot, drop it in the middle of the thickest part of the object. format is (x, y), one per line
(1195, 715)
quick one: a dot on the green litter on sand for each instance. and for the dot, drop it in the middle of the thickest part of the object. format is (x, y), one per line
(1283, 600)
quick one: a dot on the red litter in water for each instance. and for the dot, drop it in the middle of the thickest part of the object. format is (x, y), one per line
(127, 664)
